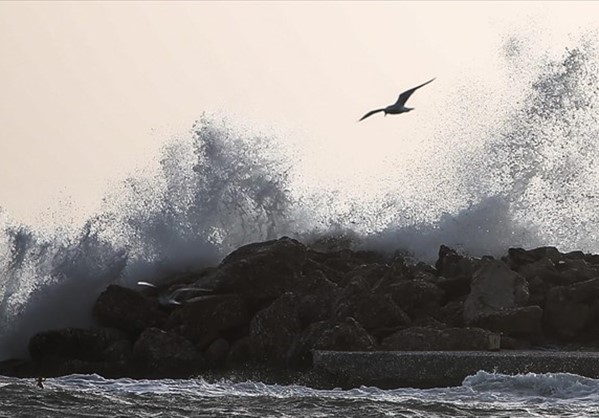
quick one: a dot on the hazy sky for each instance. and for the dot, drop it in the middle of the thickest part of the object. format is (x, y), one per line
(90, 89)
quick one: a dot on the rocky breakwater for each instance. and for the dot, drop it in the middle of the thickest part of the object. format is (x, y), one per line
(271, 304)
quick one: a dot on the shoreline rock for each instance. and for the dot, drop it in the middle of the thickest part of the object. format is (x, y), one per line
(269, 305)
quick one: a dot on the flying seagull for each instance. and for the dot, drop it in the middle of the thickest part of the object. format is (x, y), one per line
(399, 106)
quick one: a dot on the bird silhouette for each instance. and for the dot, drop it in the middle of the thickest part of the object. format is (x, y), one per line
(399, 106)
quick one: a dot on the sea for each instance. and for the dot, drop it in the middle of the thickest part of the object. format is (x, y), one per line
(481, 395)
(514, 164)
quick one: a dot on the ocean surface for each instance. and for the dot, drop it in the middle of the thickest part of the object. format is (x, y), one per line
(481, 395)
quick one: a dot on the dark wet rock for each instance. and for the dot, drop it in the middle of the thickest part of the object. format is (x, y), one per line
(104, 351)
(494, 287)
(575, 270)
(316, 295)
(374, 311)
(128, 310)
(273, 330)
(418, 298)
(452, 264)
(118, 352)
(518, 257)
(203, 319)
(163, 354)
(17, 367)
(451, 314)
(346, 335)
(262, 270)
(432, 339)
(521, 322)
(73, 343)
(110, 370)
(370, 273)
(240, 352)
(454, 287)
(217, 352)
(346, 260)
(311, 267)
(273, 303)
(570, 310)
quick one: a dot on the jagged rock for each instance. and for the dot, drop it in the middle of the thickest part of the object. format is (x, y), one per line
(74, 350)
(316, 296)
(450, 339)
(217, 352)
(203, 319)
(345, 260)
(451, 314)
(452, 264)
(371, 273)
(515, 322)
(163, 354)
(346, 335)
(569, 310)
(73, 343)
(262, 270)
(518, 257)
(454, 287)
(273, 330)
(575, 270)
(240, 351)
(17, 368)
(374, 311)
(128, 310)
(418, 298)
(494, 287)
(312, 266)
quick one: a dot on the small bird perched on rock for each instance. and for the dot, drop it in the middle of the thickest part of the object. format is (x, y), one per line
(399, 106)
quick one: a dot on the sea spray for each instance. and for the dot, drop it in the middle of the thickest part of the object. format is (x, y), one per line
(215, 192)
(529, 180)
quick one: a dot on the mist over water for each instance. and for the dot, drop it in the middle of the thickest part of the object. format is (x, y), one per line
(515, 169)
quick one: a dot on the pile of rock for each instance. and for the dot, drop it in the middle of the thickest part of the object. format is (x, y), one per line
(274, 302)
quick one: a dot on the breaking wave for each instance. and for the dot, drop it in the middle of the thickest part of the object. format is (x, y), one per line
(524, 173)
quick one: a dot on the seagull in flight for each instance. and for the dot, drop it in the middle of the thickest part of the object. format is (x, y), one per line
(399, 106)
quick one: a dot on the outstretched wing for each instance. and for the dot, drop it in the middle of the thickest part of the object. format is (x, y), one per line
(403, 98)
(372, 112)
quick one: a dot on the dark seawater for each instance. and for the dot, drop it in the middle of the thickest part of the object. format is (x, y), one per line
(481, 395)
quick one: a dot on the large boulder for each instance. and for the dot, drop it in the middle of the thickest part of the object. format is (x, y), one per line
(262, 270)
(494, 287)
(273, 330)
(523, 322)
(104, 351)
(204, 319)
(434, 339)
(571, 310)
(451, 264)
(316, 294)
(377, 312)
(128, 310)
(73, 343)
(346, 335)
(418, 297)
(163, 354)
(518, 257)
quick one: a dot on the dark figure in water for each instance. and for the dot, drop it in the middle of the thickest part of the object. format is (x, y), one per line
(40, 382)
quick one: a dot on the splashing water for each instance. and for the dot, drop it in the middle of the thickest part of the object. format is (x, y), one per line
(525, 175)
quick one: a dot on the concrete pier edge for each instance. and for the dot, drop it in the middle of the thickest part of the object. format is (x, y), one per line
(426, 369)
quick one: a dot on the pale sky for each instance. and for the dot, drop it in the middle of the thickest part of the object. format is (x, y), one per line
(90, 89)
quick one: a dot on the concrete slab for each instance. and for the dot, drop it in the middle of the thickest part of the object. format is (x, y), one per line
(425, 369)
